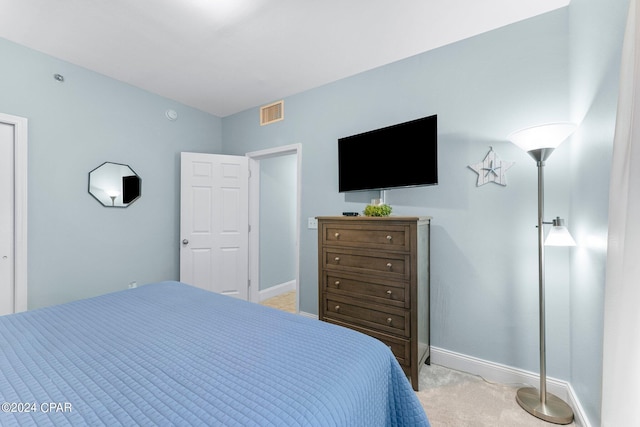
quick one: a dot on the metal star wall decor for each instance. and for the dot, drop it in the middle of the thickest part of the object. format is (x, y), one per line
(491, 169)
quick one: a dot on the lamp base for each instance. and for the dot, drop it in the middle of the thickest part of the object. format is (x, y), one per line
(555, 410)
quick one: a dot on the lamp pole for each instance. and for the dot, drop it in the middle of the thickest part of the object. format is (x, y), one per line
(543, 346)
(540, 403)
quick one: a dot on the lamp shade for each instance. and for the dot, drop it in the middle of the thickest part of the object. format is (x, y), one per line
(543, 136)
(559, 235)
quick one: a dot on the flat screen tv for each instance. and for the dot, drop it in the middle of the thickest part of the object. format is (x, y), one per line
(402, 155)
(130, 188)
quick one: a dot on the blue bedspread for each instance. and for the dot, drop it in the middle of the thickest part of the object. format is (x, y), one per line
(169, 354)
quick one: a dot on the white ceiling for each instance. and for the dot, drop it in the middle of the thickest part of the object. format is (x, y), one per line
(224, 56)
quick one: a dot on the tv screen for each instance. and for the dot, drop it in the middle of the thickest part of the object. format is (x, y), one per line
(130, 188)
(402, 155)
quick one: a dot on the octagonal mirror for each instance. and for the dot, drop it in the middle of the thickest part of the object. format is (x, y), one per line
(114, 185)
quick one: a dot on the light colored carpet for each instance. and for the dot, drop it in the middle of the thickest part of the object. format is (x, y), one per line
(458, 399)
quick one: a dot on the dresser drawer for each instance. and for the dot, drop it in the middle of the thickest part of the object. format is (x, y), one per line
(368, 288)
(377, 317)
(400, 347)
(391, 265)
(375, 236)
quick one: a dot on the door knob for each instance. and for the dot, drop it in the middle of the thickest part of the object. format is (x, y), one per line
(185, 242)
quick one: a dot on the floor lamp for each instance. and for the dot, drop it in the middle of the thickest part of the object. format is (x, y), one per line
(539, 142)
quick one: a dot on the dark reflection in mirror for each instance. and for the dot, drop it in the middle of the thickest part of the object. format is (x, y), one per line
(114, 185)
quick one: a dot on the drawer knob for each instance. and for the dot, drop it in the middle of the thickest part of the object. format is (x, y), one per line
(337, 235)
(337, 259)
(389, 265)
(337, 308)
(389, 238)
(389, 320)
(337, 283)
(389, 293)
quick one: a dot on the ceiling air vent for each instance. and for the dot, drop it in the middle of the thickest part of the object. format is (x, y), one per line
(272, 113)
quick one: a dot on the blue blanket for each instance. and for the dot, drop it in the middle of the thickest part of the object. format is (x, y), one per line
(169, 354)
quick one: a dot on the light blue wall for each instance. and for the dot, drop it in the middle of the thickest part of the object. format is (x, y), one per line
(77, 248)
(484, 260)
(277, 220)
(597, 28)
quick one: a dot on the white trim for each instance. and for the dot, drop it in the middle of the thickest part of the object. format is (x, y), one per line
(498, 373)
(254, 213)
(578, 411)
(275, 151)
(276, 290)
(20, 125)
(309, 315)
(254, 230)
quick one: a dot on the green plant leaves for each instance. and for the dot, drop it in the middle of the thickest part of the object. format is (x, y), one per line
(377, 210)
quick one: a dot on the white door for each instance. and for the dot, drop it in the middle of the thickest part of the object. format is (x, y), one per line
(6, 219)
(13, 214)
(214, 223)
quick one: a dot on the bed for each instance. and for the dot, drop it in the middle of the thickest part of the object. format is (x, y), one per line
(169, 354)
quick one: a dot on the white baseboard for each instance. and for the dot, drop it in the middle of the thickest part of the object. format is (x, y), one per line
(276, 290)
(495, 372)
(309, 315)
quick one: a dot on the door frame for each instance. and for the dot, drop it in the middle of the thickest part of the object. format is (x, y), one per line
(254, 215)
(20, 139)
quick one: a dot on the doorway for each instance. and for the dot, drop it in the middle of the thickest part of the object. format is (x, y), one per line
(280, 229)
(13, 214)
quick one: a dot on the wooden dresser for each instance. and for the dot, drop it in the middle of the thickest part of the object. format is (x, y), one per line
(373, 276)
